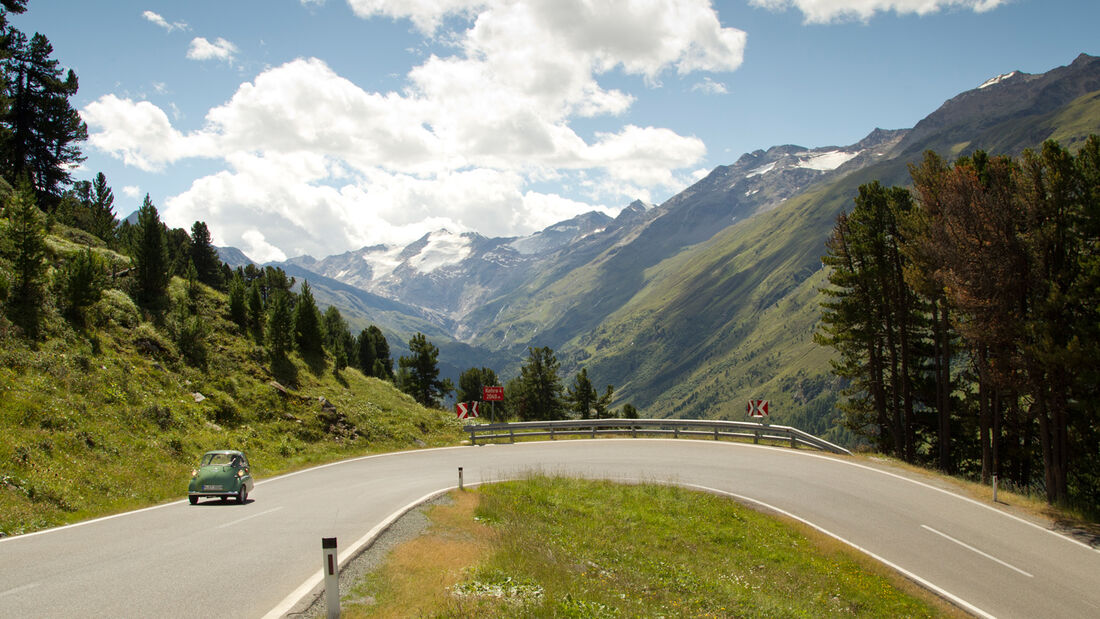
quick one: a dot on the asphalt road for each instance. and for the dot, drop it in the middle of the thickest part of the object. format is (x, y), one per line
(229, 560)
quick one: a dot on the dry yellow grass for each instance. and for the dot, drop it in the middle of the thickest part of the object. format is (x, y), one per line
(417, 578)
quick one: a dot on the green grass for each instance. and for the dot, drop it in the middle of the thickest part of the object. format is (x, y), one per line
(560, 547)
(105, 419)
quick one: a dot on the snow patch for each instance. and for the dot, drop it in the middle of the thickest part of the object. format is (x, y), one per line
(443, 249)
(382, 261)
(826, 161)
(996, 80)
(764, 169)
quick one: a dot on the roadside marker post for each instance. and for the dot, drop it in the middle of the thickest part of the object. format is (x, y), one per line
(331, 569)
(460, 478)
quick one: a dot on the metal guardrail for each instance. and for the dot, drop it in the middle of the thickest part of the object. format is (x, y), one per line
(634, 427)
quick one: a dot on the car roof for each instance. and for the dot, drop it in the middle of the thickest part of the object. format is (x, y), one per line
(224, 451)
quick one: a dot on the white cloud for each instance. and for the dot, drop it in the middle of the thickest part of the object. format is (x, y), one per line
(826, 11)
(131, 191)
(322, 165)
(139, 133)
(710, 87)
(163, 23)
(220, 49)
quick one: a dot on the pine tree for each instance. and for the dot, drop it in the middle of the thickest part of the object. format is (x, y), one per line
(420, 372)
(150, 256)
(204, 256)
(541, 385)
(44, 128)
(82, 283)
(25, 238)
(581, 395)
(238, 303)
(256, 318)
(471, 382)
(307, 325)
(280, 324)
(103, 222)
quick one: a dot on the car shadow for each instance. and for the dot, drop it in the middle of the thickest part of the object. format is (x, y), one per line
(220, 503)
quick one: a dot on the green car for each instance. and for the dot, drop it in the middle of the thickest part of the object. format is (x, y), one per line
(223, 473)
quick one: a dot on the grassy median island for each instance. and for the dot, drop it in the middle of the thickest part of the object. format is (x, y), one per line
(561, 547)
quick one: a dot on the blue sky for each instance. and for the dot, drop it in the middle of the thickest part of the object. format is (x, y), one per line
(321, 126)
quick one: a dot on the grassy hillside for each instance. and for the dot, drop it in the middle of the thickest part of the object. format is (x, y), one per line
(114, 416)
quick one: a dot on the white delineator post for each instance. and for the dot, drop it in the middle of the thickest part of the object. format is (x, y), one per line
(460, 478)
(331, 571)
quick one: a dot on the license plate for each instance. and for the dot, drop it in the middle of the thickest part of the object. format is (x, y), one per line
(212, 487)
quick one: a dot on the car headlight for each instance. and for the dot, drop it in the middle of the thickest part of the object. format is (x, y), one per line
(240, 472)
(194, 472)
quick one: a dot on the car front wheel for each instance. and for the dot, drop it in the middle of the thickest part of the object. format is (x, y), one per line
(242, 494)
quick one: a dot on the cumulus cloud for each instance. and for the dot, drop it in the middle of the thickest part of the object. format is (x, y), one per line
(826, 11)
(220, 49)
(327, 166)
(163, 23)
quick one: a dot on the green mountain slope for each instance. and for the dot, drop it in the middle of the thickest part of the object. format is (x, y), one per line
(113, 416)
(731, 319)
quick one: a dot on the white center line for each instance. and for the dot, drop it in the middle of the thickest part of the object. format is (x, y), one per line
(973, 549)
(240, 520)
(18, 589)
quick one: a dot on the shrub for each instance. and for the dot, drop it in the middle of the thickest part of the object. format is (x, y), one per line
(116, 307)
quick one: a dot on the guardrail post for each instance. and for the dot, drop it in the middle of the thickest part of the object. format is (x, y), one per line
(794, 441)
(593, 430)
(677, 433)
(715, 432)
(994, 488)
(512, 434)
(552, 433)
(332, 577)
(473, 436)
(756, 437)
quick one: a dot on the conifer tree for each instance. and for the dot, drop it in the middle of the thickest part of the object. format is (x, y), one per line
(82, 282)
(420, 372)
(280, 323)
(238, 303)
(204, 256)
(307, 325)
(540, 385)
(471, 381)
(103, 222)
(44, 128)
(581, 395)
(25, 238)
(256, 319)
(150, 256)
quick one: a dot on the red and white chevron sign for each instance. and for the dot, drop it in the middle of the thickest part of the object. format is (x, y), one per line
(758, 408)
(466, 410)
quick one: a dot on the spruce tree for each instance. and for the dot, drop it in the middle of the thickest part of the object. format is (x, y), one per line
(150, 256)
(307, 325)
(103, 222)
(44, 128)
(25, 238)
(204, 256)
(541, 385)
(420, 372)
(82, 282)
(280, 323)
(581, 395)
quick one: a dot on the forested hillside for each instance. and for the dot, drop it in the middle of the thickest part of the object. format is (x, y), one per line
(127, 350)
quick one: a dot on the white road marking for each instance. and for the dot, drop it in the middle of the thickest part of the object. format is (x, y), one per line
(943, 592)
(18, 589)
(240, 520)
(973, 549)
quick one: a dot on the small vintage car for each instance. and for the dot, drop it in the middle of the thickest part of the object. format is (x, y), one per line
(222, 473)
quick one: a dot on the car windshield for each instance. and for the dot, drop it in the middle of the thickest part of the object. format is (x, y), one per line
(217, 459)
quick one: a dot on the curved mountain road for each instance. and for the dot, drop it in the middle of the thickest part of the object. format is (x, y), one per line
(215, 559)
